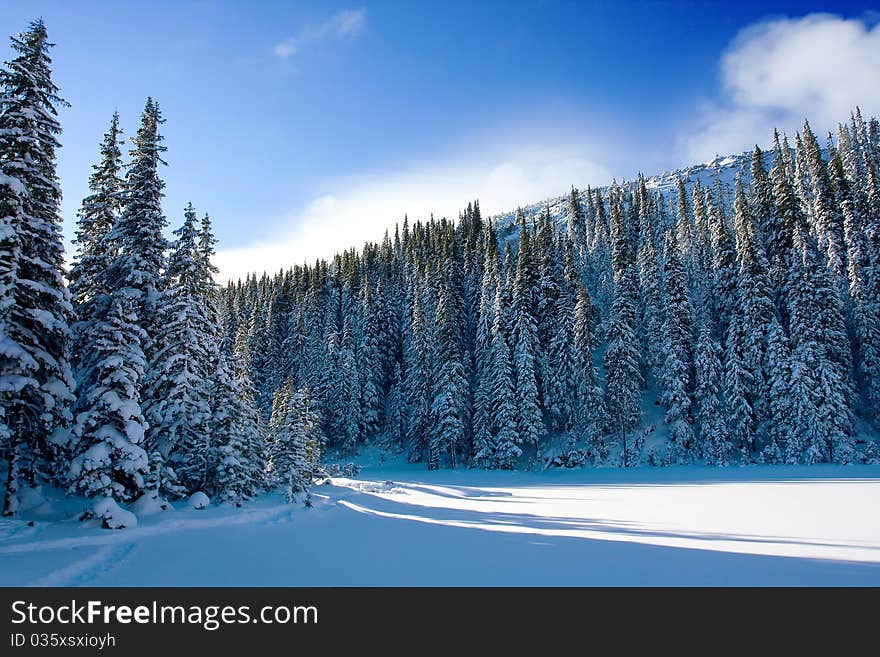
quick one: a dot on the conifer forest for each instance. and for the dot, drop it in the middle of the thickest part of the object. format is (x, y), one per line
(724, 315)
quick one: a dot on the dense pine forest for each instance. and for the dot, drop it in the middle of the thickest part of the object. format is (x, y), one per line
(718, 321)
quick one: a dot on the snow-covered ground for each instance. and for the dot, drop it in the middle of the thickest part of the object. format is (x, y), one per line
(402, 525)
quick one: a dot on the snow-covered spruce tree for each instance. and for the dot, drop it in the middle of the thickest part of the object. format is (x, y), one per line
(99, 212)
(790, 221)
(590, 417)
(35, 377)
(138, 232)
(178, 410)
(370, 365)
(389, 297)
(470, 245)
(870, 363)
(530, 423)
(863, 277)
(757, 309)
(506, 440)
(805, 442)
(827, 218)
(599, 278)
(819, 337)
(136, 274)
(677, 338)
(737, 383)
(701, 283)
(576, 222)
(650, 291)
(684, 227)
(555, 327)
(450, 387)
(860, 204)
(419, 358)
(802, 181)
(213, 336)
(294, 441)
(560, 392)
(850, 156)
(396, 411)
(761, 201)
(621, 360)
(715, 445)
(779, 395)
(484, 446)
(348, 389)
(724, 294)
(237, 430)
(109, 459)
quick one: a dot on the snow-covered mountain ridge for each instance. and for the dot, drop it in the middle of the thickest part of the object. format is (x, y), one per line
(720, 171)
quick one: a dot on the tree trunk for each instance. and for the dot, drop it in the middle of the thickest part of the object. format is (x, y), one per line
(10, 501)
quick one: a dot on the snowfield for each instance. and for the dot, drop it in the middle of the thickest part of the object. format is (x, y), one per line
(404, 526)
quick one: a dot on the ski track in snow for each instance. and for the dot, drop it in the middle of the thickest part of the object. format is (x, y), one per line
(114, 537)
(82, 572)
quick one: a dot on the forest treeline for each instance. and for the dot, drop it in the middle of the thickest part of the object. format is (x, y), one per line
(749, 312)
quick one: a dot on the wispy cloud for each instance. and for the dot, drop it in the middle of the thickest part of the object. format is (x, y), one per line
(345, 24)
(778, 72)
(350, 211)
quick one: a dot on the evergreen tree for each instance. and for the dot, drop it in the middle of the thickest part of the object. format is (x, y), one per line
(134, 278)
(715, 442)
(560, 391)
(590, 414)
(684, 227)
(419, 358)
(506, 440)
(820, 345)
(177, 385)
(370, 365)
(348, 390)
(724, 294)
(790, 222)
(35, 378)
(295, 441)
(762, 206)
(779, 402)
(576, 222)
(396, 411)
(99, 211)
(137, 234)
(450, 387)
(825, 210)
(530, 423)
(621, 360)
(737, 382)
(484, 448)
(109, 458)
(650, 284)
(239, 458)
(677, 338)
(756, 307)
(863, 286)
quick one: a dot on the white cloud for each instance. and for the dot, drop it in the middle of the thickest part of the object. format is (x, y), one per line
(345, 24)
(778, 72)
(351, 211)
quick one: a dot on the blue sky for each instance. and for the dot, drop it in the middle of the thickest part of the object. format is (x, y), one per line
(306, 127)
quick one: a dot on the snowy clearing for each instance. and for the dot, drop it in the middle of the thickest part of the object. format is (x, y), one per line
(405, 526)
